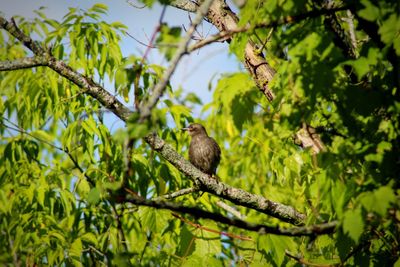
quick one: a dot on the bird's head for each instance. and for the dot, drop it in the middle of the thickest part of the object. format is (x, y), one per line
(195, 129)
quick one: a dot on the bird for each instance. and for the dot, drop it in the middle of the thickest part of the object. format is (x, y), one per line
(204, 152)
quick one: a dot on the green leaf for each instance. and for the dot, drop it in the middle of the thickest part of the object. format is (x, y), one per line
(94, 196)
(42, 135)
(276, 246)
(208, 242)
(137, 130)
(57, 235)
(397, 263)
(379, 200)
(353, 223)
(83, 187)
(68, 200)
(195, 260)
(99, 7)
(41, 192)
(169, 36)
(344, 244)
(153, 219)
(361, 66)
(80, 48)
(238, 45)
(89, 237)
(384, 196)
(118, 25)
(389, 32)
(370, 12)
(186, 242)
(76, 248)
(234, 93)
(90, 126)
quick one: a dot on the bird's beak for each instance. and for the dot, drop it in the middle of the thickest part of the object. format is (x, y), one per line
(185, 129)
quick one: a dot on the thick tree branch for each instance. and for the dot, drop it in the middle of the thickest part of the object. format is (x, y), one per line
(158, 90)
(222, 17)
(342, 40)
(185, 5)
(235, 195)
(22, 63)
(93, 89)
(12, 28)
(318, 229)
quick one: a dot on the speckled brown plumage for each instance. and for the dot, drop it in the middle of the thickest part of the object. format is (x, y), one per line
(204, 152)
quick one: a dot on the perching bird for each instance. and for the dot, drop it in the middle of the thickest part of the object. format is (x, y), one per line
(204, 152)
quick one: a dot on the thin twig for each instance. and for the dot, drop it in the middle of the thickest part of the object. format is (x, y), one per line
(267, 39)
(135, 6)
(231, 210)
(154, 34)
(138, 68)
(220, 37)
(301, 260)
(355, 250)
(140, 42)
(23, 131)
(146, 245)
(16, 260)
(158, 90)
(199, 226)
(119, 226)
(178, 193)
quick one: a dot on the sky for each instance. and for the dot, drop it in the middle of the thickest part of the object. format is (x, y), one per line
(193, 73)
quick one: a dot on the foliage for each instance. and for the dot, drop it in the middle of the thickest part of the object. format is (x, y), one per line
(62, 164)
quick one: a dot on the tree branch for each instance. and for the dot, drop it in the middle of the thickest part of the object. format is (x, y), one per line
(342, 40)
(178, 193)
(317, 229)
(235, 195)
(22, 63)
(304, 262)
(185, 5)
(158, 90)
(230, 209)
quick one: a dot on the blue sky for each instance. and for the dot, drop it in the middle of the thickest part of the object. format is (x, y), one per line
(194, 71)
